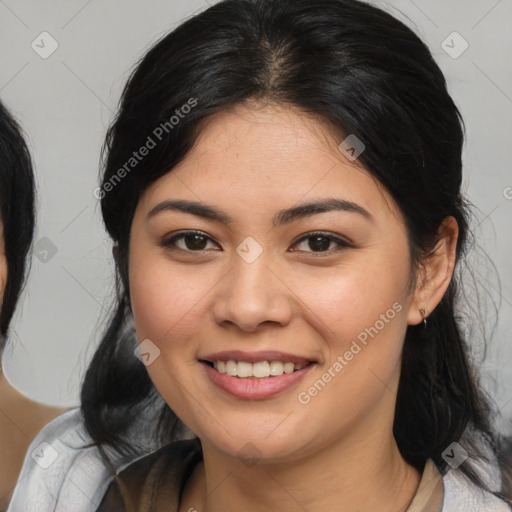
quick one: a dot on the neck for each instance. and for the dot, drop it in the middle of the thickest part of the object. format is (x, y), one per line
(364, 473)
(13, 439)
(20, 421)
(8, 394)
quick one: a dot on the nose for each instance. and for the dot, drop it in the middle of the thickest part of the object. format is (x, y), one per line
(252, 294)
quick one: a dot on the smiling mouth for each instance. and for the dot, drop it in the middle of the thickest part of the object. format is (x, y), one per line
(258, 370)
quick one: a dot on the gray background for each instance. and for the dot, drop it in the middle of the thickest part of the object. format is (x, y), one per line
(65, 103)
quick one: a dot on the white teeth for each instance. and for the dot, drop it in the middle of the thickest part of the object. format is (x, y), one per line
(260, 370)
(231, 368)
(288, 367)
(276, 368)
(244, 369)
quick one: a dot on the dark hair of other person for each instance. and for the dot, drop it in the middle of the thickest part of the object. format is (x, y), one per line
(17, 211)
(365, 73)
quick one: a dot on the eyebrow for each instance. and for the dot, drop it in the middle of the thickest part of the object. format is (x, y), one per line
(282, 217)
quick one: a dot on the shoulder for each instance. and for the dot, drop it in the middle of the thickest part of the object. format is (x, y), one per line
(153, 480)
(62, 471)
(461, 495)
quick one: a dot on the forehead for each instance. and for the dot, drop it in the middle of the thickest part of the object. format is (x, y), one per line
(266, 158)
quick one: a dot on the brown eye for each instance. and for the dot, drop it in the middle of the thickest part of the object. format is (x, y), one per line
(190, 241)
(320, 243)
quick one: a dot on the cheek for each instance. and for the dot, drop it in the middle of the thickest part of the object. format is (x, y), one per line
(360, 312)
(168, 303)
(350, 300)
(362, 321)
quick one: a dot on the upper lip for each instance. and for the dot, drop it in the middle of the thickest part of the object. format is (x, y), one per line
(255, 357)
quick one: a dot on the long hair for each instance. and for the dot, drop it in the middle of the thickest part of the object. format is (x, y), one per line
(17, 211)
(363, 72)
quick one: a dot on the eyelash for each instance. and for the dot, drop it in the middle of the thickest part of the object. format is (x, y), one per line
(170, 243)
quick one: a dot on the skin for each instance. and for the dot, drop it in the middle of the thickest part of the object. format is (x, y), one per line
(339, 448)
(20, 418)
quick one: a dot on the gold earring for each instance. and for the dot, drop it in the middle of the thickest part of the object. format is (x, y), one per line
(423, 315)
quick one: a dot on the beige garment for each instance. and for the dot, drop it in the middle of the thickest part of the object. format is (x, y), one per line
(430, 493)
(135, 488)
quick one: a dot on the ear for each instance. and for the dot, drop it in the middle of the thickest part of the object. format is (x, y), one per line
(435, 272)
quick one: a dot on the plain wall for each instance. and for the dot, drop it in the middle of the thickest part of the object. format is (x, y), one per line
(66, 101)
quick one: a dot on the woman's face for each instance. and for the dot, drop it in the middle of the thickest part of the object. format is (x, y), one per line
(252, 272)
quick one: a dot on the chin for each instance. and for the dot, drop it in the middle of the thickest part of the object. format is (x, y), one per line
(252, 446)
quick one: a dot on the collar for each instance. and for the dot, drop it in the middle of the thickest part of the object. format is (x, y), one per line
(430, 494)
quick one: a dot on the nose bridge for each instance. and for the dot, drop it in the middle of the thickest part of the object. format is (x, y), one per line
(251, 294)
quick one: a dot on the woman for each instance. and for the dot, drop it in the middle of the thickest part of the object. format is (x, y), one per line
(286, 244)
(20, 418)
(282, 187)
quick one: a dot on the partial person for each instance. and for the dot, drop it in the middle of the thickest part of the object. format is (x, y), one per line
(20, 417)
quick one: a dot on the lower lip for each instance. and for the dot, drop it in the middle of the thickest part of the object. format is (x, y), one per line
(253, 388)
